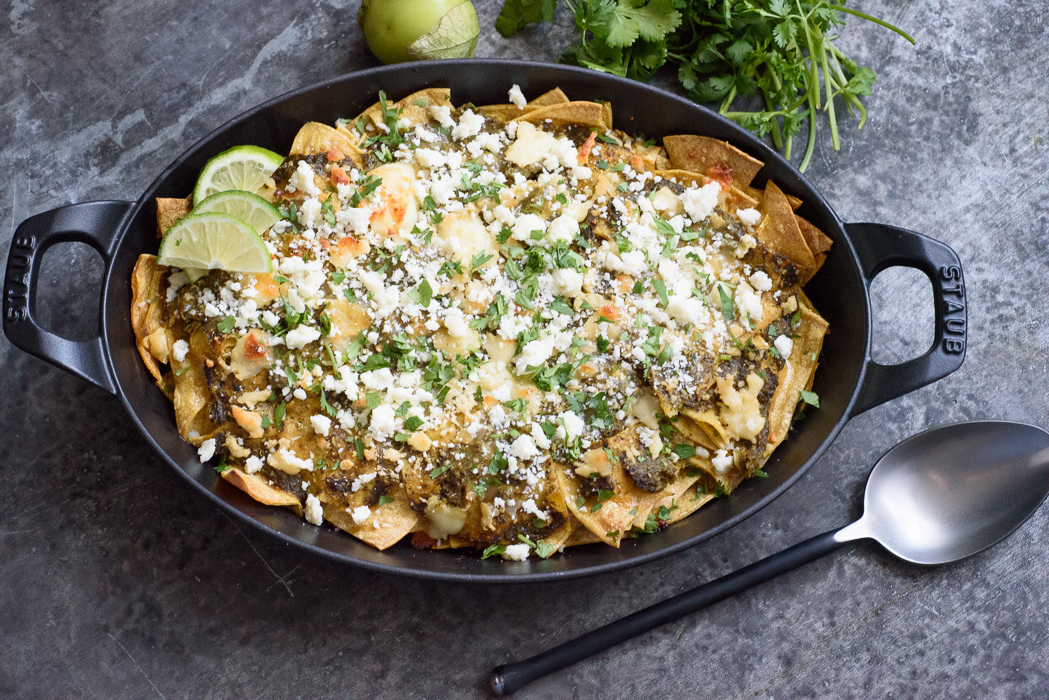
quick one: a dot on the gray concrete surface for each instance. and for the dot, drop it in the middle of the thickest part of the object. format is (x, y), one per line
(118, 581)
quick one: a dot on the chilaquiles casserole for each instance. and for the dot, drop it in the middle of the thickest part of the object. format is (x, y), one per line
(509, 327)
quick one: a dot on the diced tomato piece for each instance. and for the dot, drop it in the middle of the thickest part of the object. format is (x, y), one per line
(721, 173)
(339, 176)
(584, 150)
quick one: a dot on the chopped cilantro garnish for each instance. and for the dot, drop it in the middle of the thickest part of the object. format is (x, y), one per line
(661, 290)
(727, 309)
(493, 550)
(810, 398)
(685, 451)
(560, 306)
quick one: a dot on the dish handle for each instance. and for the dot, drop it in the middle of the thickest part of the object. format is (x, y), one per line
(880, 247)
(94, 223)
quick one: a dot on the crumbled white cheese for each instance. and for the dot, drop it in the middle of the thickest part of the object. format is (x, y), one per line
(563, 228)
(383, 422)
(176, 281)
(302, 180)
(721, 461)
(535, 353)
(179, 350)
(517, 552)
(253, 464)
(456, 323)
(378, 379)
(517, 97)
(573, 425)
(301, 336)
(699, 203)
(470, 124)
(760, 281)
(539, 437)
(526, 225)
(784, 345)
(749, 217)
(748, 303)
(314, 511)
(443, 115)
(567, 282)
(524, 448)
(206, 450)
(321, 424)
(360, 514)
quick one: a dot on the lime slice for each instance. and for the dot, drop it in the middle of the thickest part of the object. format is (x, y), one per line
(214, 242)
(249, 208)
(195, 273)
(239, 168)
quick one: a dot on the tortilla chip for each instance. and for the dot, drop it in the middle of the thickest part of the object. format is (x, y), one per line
(730, 198)
(798, 371)
(580, 535)
(170, 210)
(696, 434)
(710, 424)
(145, 309)
(612, 521)
(779, 231)
(559, 537)
(683, 177)
(315, 137)
(650, 504)
(415, 107)
(552, 97)
(688, 503)
(395, 520)
(818, 242)
(504, 114)
(192, 396)
(256, 487)
(718, 159)
(578, 113)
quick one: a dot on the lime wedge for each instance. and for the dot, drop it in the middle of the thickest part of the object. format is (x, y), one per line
(239, 168)
(249, 208)
(214, 242)
(195, 273)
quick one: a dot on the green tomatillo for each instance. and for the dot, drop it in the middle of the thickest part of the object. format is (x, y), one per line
(415, 30)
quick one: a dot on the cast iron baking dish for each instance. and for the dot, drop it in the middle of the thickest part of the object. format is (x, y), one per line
(847, 381)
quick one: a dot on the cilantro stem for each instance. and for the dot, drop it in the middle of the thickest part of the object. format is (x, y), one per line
(828, 81)
(777, 137)
(814, 105)
(869, 18)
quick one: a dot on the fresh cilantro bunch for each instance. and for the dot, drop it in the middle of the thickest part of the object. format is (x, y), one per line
(779, 55)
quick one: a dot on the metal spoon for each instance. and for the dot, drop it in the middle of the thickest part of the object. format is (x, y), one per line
(937, 497)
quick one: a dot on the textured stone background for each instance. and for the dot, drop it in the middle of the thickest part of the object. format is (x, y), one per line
(118, 581)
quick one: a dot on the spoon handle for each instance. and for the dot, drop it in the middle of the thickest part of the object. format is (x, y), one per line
(508, 678)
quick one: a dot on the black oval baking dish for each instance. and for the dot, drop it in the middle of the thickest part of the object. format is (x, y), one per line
(847, 381)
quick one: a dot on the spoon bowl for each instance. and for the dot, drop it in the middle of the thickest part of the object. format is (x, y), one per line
(950, 492)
